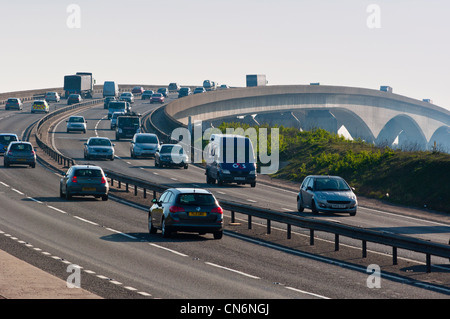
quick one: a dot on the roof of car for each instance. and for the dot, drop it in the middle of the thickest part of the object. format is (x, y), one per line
(190, 190)
(85, 166)
(9, 134)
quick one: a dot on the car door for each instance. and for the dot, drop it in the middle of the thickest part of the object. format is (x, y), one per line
(157, 210)
(307, 193)
(64, 180)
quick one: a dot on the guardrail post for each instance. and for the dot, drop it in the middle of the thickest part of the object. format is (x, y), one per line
(135, 190)
(394, 255)
(288, 231)
(311, 237)
(428, 263)
(364, 249)
(126, 187)
(232, 217)
(268, 226)
(336, 242)
(249, 221)
(145, 192)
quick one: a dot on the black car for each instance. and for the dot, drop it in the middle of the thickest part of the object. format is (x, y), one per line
(163, 91)
(21, 153)
(171, 155)
(73, 99)
(186, 209)
(107, 100)
(184, 91)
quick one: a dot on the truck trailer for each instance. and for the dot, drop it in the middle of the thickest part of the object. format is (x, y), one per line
(256, 80)
(80, 83)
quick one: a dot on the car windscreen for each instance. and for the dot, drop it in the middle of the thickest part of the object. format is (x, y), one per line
(128, 121)
(169, 149)
(88, 172)
(21, 147)
(100, 142)
(150, 139)
(330, 184)
(196, 199)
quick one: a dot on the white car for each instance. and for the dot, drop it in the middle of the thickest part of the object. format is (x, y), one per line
(76, 123)
(52, 97)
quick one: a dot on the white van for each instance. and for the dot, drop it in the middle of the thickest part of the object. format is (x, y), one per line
(230, 159)
(110, 88)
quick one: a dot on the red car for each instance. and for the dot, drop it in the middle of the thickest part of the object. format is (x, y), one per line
(157, 98)
(137, 90)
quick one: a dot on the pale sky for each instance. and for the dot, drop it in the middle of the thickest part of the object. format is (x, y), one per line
(291, 41)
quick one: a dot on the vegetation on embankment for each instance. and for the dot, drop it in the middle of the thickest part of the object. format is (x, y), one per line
(420, 179)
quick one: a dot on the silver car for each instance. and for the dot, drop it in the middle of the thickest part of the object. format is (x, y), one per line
(84, 180)
(76, 123)
(127, 96)
(99, 147)
(114, 119)
(144, 145)
(326, 194)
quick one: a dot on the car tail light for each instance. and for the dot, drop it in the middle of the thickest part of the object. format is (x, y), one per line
(176, 209)
(217, 210)
(103, 180)
(74, 179)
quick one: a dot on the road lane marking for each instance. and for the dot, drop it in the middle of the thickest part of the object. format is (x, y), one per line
(120, 233)
(85, 220)
(57, 209)
(307, 293)
(168, 249)
(232, 270)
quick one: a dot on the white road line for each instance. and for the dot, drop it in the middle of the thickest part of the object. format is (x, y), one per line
(120, 233)
(170, 250)
(35, 200)
(233, 270)
(6, 185)
(307, 293)
(85, 220)
(57, 209)
(251, 201)
(17, 191)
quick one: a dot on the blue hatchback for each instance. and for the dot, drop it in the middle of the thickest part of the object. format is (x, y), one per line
(5, 140)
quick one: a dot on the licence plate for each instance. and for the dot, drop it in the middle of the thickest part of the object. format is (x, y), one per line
(338, 206)
(88, 189)
(22, 159)
(239, 178)
(197, 213)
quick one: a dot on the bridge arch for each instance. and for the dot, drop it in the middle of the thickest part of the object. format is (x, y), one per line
(442, 139)
(403, 132)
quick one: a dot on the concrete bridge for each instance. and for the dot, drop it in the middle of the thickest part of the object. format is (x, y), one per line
(379, 117)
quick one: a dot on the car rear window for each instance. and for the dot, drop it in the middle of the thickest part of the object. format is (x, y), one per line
(76, 119)
(21, 147)
(7, 138)
(196, 199)
(88, 172)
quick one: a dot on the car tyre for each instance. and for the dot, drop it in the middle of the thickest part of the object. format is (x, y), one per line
(218, 234)
(313, 207)
(151, 229)
(164, 230)
(300, 207)
(105, 197)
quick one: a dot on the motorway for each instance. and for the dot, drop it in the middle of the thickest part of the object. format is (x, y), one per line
(109, 240)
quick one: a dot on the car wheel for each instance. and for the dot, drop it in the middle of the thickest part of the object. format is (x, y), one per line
(68, 196)
(61, 195)
(300, 207)
(313, 207)
(353, 214)
(218, 234)
(151, 229)
(33, 165)
(165, 232)
(253, 184)
(186, 166)
(6, 164)
(105, 197)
